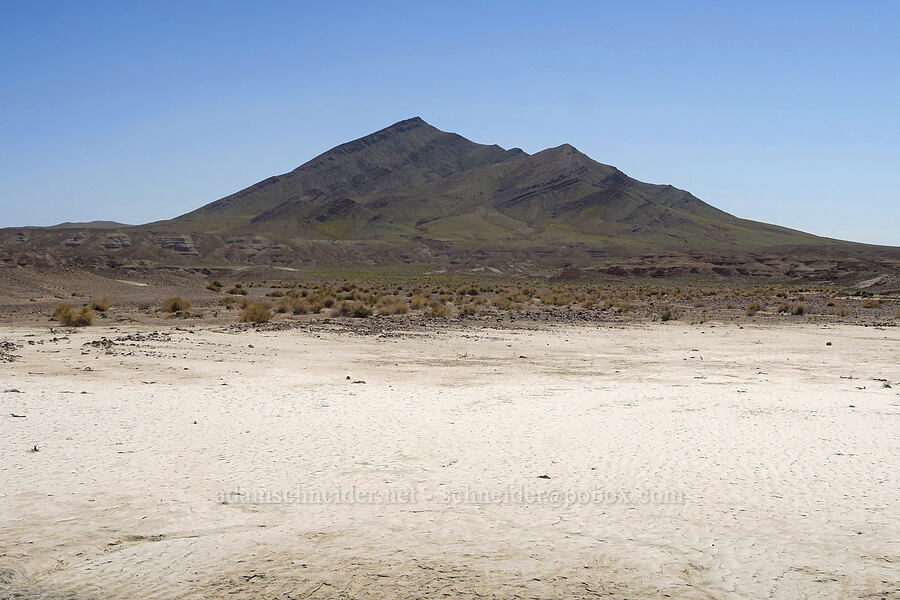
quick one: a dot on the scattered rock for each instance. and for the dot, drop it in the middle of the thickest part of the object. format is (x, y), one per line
(6, 351)
(543, 477)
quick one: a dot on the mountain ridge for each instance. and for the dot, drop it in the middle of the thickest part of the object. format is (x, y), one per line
(412, 181)
(411, 195)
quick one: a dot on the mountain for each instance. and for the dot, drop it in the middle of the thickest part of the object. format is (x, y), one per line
(411, 181)
(412, 197)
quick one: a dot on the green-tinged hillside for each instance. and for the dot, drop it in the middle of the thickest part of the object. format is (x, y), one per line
(412, 181)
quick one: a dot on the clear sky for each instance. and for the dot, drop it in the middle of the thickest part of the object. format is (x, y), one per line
(781, 112)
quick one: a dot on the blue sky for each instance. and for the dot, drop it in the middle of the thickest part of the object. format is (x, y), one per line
(786, 114)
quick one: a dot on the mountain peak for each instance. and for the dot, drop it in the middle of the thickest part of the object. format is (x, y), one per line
(405, 125)
(412, 180)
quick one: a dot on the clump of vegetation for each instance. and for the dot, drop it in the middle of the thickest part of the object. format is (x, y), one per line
(666, 315)
(256, 312)
(176, 304)
(799, 309)
(69, 317)
(228, 301)
(101, 304)
(505, 302)
(437, 310)
(392, 306)
(870, 303)
(214, 286)
(349, 308)
(753, 308)
(238, 290)
(417, 301)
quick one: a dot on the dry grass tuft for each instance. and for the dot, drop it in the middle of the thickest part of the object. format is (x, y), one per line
(753, 308)
(256, 312)
(176, 304)
(870, 303)
(101, 304)
(349, 308)
(69, 317)
(437, 310)
(392, 306)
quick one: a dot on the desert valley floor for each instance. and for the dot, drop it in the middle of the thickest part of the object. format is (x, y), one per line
(638, 461)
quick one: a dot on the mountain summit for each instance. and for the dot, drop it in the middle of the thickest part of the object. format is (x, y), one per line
(414, 181)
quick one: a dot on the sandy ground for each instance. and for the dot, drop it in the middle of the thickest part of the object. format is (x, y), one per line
(648, 461)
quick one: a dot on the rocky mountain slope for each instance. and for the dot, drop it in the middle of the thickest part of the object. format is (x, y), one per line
(412, 195)
(413, 181)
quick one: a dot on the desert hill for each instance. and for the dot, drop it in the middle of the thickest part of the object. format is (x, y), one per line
(411, 195)
(412, 181)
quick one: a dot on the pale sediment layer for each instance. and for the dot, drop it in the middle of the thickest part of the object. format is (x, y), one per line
(651, 461)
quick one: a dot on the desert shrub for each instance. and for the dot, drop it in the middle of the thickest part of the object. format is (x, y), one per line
(753, 308)
(557, 297)
(504, 302)
(312, 306)
(666, 315)
(300, 306)
(60, 310)
(798, 309)
(101, 304)
(214, 286)
(698, 303)
(228, 301)
(784, 307)
(69, 317)
(238, 290)
(349, 308)
(393, 307)
(362, 311)
(870, 303)
(275, 294)
(176, 304)
(624, 307)
(286, 305)
(417, 301)
(468, 310)
(437, 310)
(256, 312)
